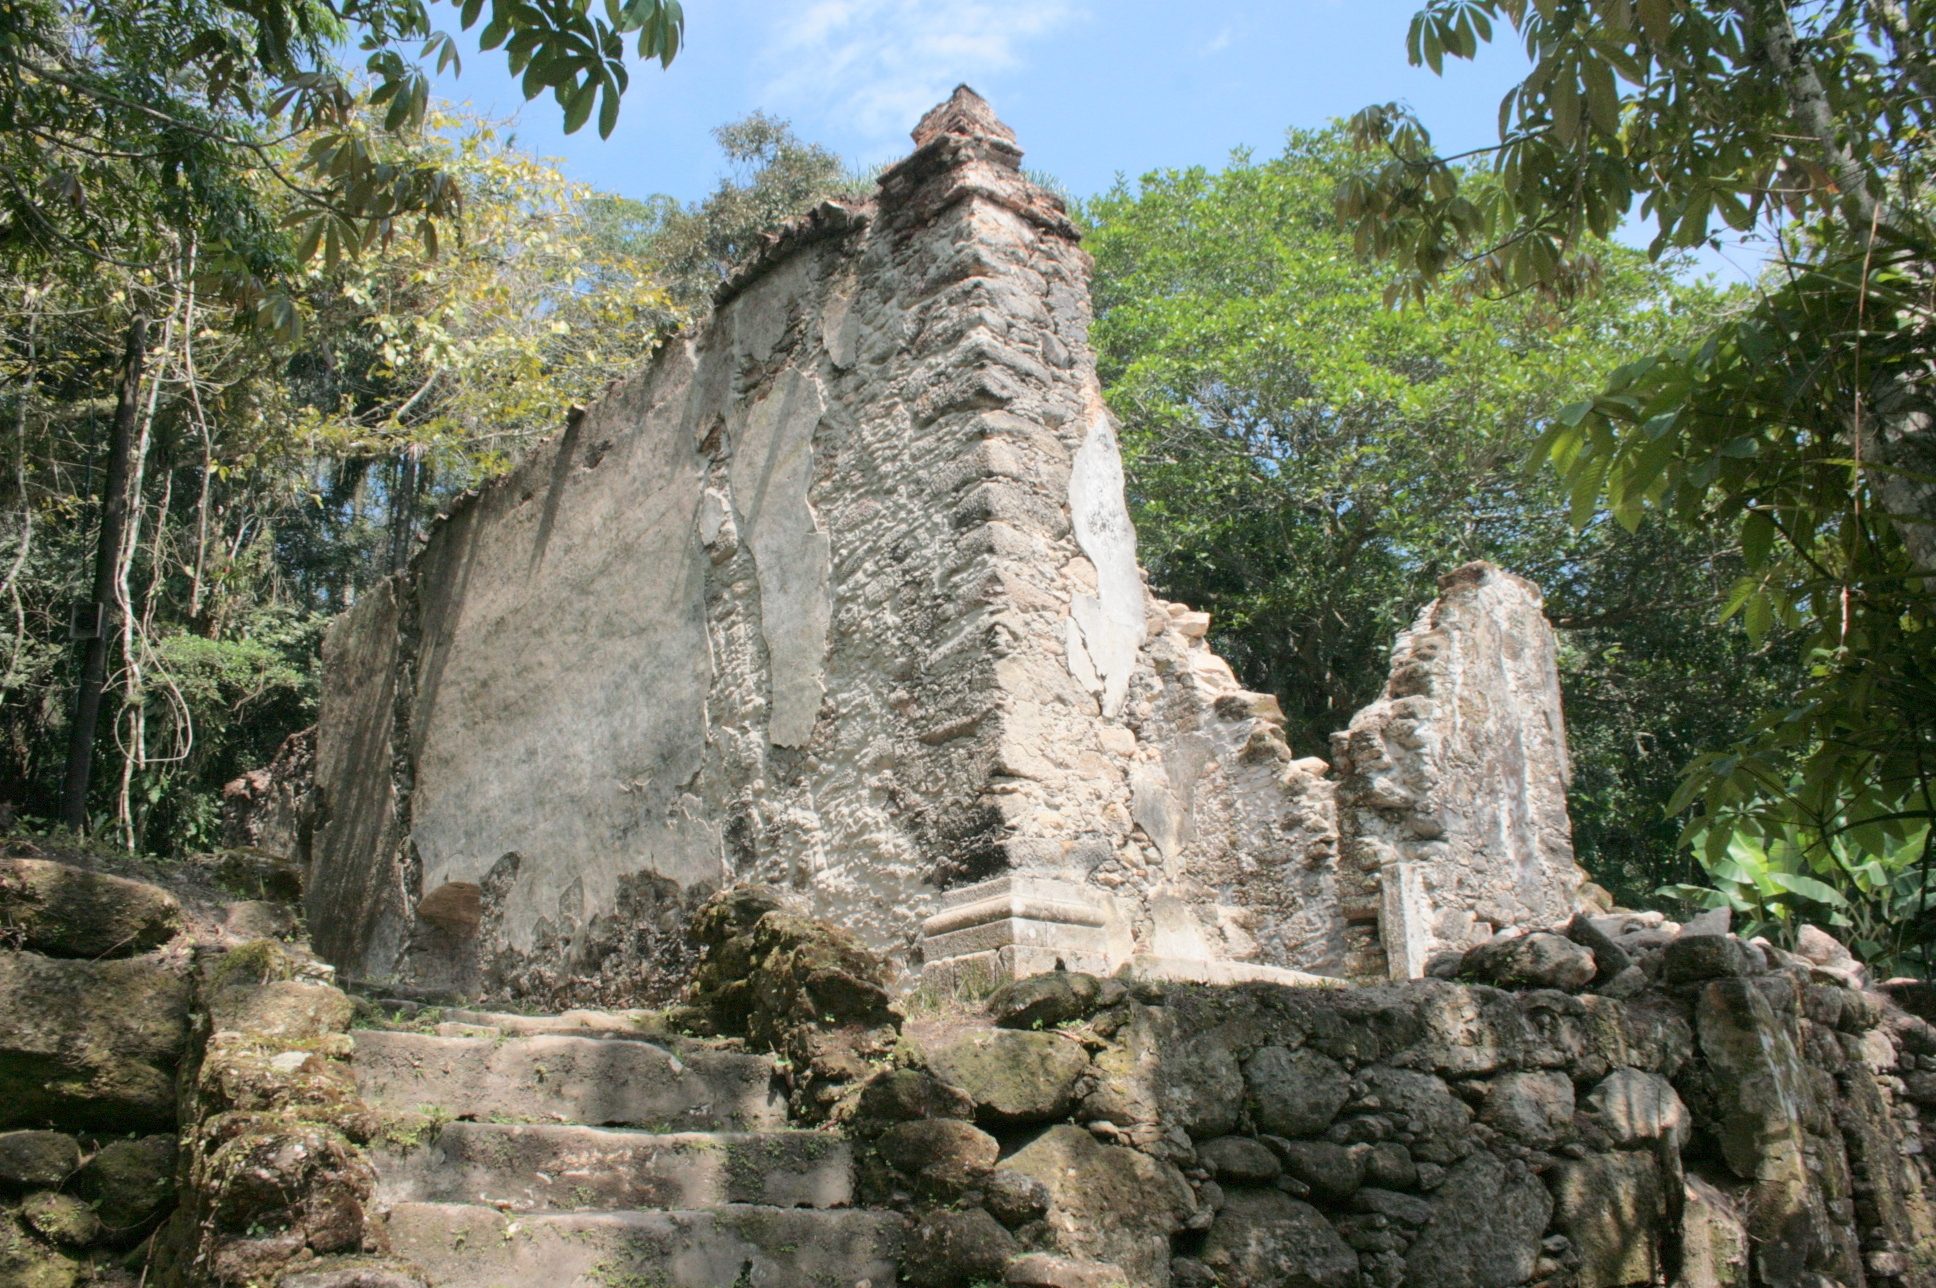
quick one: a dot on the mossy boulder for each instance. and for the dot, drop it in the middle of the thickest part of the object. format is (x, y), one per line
(90, 1045)
(294, 1010)
(26, 1262)
(131, 1183)
(790, 984)
(903, 1095)
(37, 1157)
(61, 1219)
(1055, 997)
(244, 1075)
(1012, 1076)
(1263, 1237)
(940, 1159)
(947, 1249)
(65, 911)
(1107, 1202)
(266, 1192)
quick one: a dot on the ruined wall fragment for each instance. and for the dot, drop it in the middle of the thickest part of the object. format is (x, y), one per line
(838, 593)
(1452, 792)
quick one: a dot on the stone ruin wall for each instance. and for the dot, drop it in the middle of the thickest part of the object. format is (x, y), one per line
(840, 593)
(1452, 793)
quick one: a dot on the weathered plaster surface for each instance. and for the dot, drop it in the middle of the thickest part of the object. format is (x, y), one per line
(1453, 797)
(840, 593)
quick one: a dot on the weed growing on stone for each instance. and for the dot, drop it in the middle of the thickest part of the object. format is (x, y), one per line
(260, 961)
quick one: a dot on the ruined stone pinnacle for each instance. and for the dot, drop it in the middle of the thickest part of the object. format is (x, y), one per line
(966, 114)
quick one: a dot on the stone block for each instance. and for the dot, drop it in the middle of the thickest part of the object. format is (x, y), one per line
(92, 1045)
(1012, 1076)
(65, 911)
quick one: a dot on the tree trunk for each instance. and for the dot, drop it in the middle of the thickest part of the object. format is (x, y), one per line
(1896, 441)
(107, 565)
(403, 509)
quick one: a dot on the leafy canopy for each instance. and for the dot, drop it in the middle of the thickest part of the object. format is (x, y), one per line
(110, 153)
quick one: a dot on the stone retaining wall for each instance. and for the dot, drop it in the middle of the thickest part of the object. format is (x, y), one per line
(1649, 1106)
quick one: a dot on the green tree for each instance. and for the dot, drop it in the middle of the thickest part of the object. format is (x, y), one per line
(774, 175)
(267, 480)
(1800, 422)
(118, 158)
(1304, 463)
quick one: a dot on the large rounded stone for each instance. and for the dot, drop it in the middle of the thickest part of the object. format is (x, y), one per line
(1266, 1239)
(1539, 960)
(900, 1095)
(1632, 1105)
(1239, 1160)
(1691, 959)
(25, 1262)
(1331, 1172)
(130, 1182)
(1613, 1209)
(1106, 1202)
(1534, 1108)
(1485, 1228)
(1161, 1071)
(1058, 997)
(66, 911)
(1015, 1199)
(941, 1157)
(1295, 1093)
(61, 1218)
(1011, 1076)
(37, 1157)
(1423, 1108)
(946, 1249)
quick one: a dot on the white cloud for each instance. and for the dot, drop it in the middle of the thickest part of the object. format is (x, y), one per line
(879, 64)
(1217, 43)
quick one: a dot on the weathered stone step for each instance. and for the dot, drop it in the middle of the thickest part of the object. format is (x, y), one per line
(568, 1079)
(466, 1246)
(452, 1021)
(553, 1168)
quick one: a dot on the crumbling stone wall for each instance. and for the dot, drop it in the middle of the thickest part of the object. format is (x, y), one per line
(839, 593)
(1452, 792)
(162, 1042)
(1670, 1105)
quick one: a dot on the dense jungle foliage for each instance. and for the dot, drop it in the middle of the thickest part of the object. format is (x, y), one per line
(264, 318)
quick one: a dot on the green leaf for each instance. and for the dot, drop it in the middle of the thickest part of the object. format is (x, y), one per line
(607, 113)
(1657, 21)
(579, 109)
(1809, 888)
(1603, 101)
(1757, 538)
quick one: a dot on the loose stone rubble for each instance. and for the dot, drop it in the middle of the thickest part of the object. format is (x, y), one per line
(840, 594)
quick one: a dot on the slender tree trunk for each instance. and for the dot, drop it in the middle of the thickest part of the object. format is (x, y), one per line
(403, 509)
(107, 566)
(1894, 437)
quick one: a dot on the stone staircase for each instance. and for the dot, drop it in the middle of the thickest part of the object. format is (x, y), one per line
(588, 1149)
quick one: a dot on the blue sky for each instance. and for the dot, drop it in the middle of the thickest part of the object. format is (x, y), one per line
(1093, 88)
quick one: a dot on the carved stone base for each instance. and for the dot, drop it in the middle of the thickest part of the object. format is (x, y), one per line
(1018, 925)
